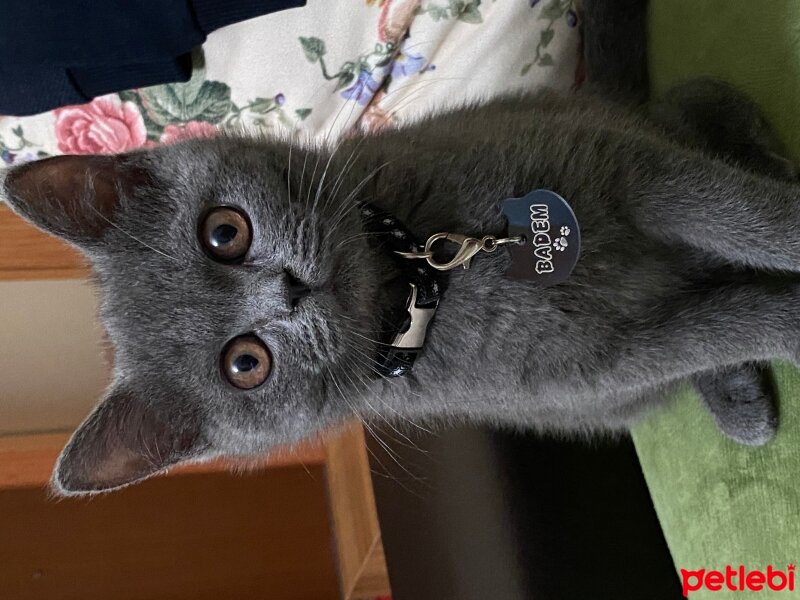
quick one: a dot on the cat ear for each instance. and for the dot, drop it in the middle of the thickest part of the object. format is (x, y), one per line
(74, 197)
(123, 441)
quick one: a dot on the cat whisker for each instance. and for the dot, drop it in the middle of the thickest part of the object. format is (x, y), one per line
(303, 179)
(341, 394)
(420, 86)
(352, 329)
(289, 172)
(378, 413)
(370, 364)
(357, 236)
(357, 189)
(353, 105)
(325, 143)
(391, 453)
(368, 429)
(334, 228)
(345, 169)
(337, 184)
(318, 152)
(381, 87)
(347, 372)
(321, 183)
(376, 342)
(131, 236)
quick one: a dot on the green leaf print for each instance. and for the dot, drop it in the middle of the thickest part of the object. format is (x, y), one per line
(262, 105)
(345, 79)
(555, 9)
(545, 60)
(195, 100)
(461, 10)
(438, 13)
(313, 47)
(9, 150)
(552, 12)
(470, 13)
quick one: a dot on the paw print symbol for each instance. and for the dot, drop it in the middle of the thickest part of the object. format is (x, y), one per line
(560, 244)
(565, 230)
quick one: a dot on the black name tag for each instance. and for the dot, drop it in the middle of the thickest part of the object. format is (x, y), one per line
(552, 237)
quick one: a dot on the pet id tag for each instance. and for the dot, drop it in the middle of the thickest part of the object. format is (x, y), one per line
(552, 239)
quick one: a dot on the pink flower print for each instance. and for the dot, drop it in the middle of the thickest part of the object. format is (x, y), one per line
(395, 17)
(104, 126)
(375, 117)
(188, 131)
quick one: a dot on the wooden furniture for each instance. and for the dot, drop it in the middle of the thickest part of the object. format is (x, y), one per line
(27, 253)
(300, 524)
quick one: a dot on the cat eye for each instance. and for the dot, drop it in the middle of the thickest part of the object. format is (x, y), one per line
(225, 234)
(246, 362)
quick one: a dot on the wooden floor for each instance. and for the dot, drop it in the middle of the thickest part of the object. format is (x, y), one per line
(194, 536)
(299, 523)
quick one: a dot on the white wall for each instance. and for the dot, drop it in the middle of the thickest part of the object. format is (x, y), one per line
(52, 365)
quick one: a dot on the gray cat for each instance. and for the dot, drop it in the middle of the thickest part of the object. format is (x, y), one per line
(247, 301)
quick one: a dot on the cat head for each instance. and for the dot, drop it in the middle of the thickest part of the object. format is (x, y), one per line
(238, 315)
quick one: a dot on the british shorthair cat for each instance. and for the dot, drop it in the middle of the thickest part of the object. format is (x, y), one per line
(250, 299)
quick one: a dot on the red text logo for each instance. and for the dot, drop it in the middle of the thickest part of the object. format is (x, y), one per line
(738, 579)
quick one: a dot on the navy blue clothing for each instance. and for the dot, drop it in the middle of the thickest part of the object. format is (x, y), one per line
(59, 52)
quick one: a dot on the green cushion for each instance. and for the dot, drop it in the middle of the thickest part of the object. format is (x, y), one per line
(720, 503)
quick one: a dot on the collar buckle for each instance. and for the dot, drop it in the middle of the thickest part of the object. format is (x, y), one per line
(419, 317)
(398, 358)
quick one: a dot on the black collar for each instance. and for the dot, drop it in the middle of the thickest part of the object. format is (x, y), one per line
(398, 352)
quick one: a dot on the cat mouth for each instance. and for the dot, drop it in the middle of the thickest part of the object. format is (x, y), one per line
(348, 283)
(297, 290)
(332, 286)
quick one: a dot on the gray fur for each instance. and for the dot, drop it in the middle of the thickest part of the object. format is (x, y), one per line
(665, 287)
(713, 116)
(740, 400)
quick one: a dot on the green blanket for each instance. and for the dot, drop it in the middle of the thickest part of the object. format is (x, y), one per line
(722, 504)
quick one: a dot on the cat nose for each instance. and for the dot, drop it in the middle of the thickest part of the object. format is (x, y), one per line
(296, 290)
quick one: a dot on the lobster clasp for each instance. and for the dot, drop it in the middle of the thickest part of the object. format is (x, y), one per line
(470, 246)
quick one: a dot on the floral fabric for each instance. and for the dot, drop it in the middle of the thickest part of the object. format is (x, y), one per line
(324, 69)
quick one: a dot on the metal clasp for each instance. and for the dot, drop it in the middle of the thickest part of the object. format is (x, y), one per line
(470, 246)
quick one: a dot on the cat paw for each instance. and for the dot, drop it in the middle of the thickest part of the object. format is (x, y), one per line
(755, 425)
(741, 403)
